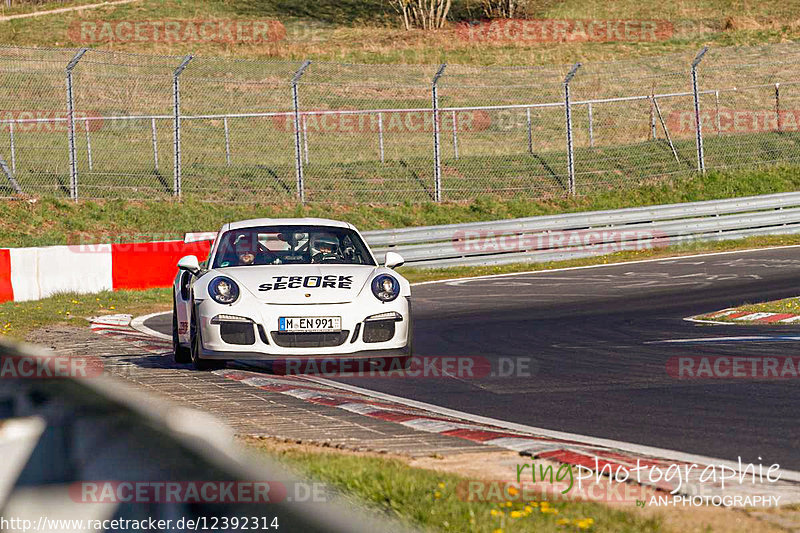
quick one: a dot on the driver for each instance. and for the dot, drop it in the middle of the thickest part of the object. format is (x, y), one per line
(244, 251)
(324, 247)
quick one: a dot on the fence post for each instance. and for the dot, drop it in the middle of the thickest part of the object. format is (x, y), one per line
(13, 148)
(652, 116)
(437, 157)
(380, 135)
(455, 135)
(568, 108)
(88, 145)
(73, 162)
(155, 143)
(778, 104)
(298, 155)
(701, 163)
(227, 142)
(530, 133)
(176, 101)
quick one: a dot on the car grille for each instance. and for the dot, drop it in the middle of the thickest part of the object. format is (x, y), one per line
(309, 340)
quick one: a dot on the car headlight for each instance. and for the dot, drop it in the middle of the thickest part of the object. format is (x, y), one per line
(223, 290)
(385, 288)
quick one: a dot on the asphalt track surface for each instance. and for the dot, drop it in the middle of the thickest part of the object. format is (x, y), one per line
(599, 366)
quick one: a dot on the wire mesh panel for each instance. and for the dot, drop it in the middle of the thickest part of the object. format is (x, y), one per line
(237, 139)
(123, 105)
(100, 124)
(33, 120)
(750, 106)
(509, 135)
(630, 139)
(367, 132)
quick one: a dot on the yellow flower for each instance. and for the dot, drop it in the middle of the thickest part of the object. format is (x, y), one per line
(513, 491)
(534, 504)
(509, 504)
(516, 514)
(528, 509)
(112, 307)
(437, 494)
(441, 485)
(562, 522)
(498, 530)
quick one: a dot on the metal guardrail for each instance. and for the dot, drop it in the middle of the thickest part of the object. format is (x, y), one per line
(574, 235)
(58, 433)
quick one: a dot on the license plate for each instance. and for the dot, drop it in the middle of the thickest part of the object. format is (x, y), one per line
(309, 324)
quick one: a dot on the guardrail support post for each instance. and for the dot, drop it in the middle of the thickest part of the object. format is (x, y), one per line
(73, 161)
(176, 101)
(437, 157)
(568, 109)
(298, 154)
(701, 163)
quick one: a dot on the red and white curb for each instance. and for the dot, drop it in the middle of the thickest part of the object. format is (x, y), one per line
(743, 316)
(576, 450)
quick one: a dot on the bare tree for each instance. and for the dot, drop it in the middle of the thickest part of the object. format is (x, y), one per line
(500, 9)
(425, 14)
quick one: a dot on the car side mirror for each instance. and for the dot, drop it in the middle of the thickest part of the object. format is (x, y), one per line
(189, 263)
(393, 260)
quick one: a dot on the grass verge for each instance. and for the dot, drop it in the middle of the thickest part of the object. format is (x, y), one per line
(428, 499)
(18, 319)
(787, 305)
(52, 221)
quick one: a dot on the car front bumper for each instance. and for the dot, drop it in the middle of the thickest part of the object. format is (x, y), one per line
(264, 321)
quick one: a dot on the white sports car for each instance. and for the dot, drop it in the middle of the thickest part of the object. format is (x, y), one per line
(285, 288)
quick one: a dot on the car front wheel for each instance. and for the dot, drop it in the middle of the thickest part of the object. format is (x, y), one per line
(197, 342)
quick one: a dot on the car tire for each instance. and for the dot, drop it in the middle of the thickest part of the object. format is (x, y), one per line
(181, 354)
(197, 341)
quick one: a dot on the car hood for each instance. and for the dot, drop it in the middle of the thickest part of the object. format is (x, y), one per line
(301, 284)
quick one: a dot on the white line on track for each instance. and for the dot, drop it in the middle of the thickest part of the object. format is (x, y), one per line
(673, 455)
(459, 281)
(138, 324)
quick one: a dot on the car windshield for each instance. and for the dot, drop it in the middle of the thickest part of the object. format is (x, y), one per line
(286, 245)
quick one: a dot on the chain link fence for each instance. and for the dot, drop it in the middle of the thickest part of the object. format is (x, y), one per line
(80, 123)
